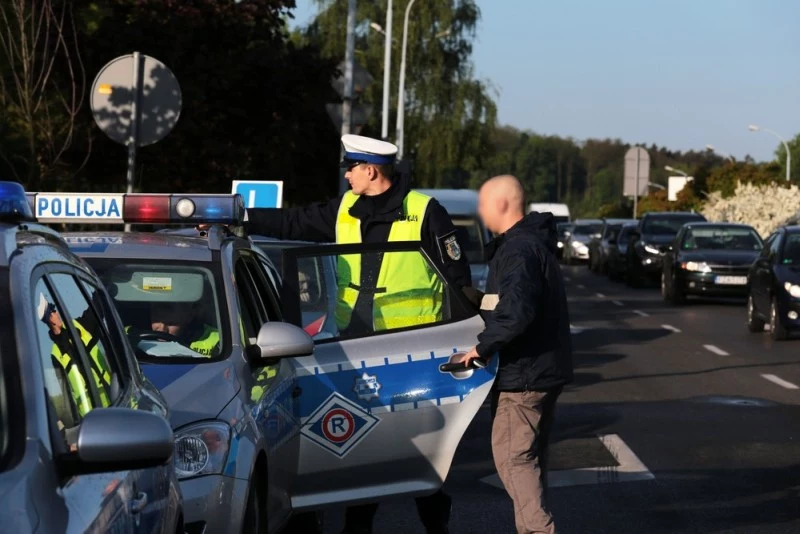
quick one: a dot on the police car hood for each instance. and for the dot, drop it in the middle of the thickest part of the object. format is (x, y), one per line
(194, 391)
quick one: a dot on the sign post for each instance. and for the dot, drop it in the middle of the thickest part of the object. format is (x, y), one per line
(136, 101)
(637, 175)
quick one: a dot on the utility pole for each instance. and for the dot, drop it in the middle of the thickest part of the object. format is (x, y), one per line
(349, 59)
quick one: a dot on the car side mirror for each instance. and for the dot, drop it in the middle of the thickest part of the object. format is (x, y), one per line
(119, 439)
(283, 340)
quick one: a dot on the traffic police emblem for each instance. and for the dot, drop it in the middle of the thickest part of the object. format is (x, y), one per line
(453, 248)
(367, 387)
(338, 425)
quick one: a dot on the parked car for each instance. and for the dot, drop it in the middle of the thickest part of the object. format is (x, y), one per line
(462, 206)
(653, 234)
(86, 446)
(564, 230)
(577, 246)
(599, 246)
(773, 284)
(617, 262)
(270, 421)
(709, 259)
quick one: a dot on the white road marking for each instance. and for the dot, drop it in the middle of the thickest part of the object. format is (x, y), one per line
(601, 296)
(670, 328)
(581, 286)
(641, 313)
(617, 303)
(781, 382)
(716, 350)
(576, 329)
(629, 468)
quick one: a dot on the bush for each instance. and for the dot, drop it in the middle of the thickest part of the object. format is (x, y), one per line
(765, 207)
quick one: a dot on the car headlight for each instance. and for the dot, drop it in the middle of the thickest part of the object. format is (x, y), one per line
(696, 266)
(201, 449)
(650, 248)
(792, 289)
(560, 244)
(578, 245)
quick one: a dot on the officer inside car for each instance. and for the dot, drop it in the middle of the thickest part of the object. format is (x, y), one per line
(379, 207)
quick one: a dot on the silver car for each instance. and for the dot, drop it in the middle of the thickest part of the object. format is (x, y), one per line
(85, 445)
(576, 248)
(287, 414)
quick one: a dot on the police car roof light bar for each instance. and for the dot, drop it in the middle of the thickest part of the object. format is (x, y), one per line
(137, 208)
(14, 206)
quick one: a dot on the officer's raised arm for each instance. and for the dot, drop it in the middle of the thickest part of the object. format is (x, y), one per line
(315, 222)
(440, 240)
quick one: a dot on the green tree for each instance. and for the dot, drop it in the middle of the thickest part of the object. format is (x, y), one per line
(449, 115)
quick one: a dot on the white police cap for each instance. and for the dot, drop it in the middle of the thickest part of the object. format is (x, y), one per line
(42, 307)
(358, 148)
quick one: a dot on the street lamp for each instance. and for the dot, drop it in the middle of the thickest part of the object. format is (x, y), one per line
(387, 67)
(657, 186)
(721, 153)
(673, 169)
(754, 128)
(401, 92)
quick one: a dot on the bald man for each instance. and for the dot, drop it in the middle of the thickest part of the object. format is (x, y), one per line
(527, 327)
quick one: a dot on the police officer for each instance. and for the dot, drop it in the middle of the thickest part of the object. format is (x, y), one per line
(380, 291)
(182, 321)
(64, 356)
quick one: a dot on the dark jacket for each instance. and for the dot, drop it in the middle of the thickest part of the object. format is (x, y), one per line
(317, 222)
(529, 326)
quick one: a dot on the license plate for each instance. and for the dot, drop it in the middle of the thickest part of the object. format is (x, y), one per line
(731, 280)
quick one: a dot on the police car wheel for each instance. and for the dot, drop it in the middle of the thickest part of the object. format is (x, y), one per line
(255, 517)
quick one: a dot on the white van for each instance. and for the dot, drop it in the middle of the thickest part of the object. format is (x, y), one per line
(560, 211)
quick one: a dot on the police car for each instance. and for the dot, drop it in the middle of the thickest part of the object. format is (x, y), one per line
(85, 445)
(263, 415)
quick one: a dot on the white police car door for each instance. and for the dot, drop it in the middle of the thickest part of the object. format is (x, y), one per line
(378, 416)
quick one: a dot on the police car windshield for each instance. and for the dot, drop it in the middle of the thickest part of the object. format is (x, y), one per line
(170, 310)
(470, 236)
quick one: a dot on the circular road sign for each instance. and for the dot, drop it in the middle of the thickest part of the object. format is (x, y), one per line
(159, 104)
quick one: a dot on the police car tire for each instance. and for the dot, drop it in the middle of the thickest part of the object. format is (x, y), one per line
(255, 515)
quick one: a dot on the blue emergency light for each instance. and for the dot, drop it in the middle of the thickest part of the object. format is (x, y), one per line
(14, 205)
(137, 208)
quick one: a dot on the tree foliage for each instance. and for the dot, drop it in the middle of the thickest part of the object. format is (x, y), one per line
(449, 115)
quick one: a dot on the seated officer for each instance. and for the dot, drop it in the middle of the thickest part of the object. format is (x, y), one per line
(183, 321)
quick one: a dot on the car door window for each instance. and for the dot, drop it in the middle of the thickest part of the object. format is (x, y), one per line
(365, 293)
(92, 333)
(66, 376)
(251, 309)
(774, 248)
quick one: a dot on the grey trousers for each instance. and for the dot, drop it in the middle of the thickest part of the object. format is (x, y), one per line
(520, 434)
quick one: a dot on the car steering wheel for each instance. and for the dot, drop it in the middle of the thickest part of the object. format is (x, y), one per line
(153, 335)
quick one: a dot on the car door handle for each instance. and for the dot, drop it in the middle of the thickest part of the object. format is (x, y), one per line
(138, 504)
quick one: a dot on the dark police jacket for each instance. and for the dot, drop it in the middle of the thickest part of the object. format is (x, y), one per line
(525, 308)
(317, 222)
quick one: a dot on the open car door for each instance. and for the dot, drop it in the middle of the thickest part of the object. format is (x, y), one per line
(378, 417)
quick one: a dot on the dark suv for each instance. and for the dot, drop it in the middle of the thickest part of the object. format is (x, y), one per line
(650, 240)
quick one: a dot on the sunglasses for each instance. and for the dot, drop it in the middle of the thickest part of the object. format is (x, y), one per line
(350, 165)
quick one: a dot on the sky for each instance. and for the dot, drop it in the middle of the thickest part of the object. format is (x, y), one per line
(678, 73)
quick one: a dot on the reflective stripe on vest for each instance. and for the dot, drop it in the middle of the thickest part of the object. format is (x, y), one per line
(408, 291)
(80, 390)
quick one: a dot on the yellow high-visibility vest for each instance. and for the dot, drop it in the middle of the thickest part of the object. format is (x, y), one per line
(77, 384)
(408, 291)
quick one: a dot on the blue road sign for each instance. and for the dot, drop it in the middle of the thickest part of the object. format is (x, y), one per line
(259, 193)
